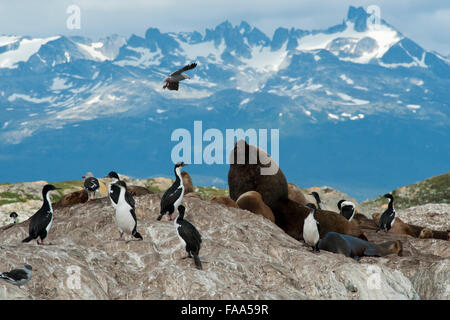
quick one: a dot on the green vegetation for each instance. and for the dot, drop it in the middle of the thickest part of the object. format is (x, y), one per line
(432, 190)
(211, 192)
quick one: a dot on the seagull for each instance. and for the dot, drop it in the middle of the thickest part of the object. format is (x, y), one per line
(173, 196)
(174, 79)
(91, 185)
(41, 221)
(18, 277)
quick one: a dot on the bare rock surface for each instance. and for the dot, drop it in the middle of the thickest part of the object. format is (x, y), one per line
(434, 216)
(245, 256)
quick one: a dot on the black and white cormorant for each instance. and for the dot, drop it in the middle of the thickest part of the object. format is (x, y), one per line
(41, 221)
(115, 177)
(311, 228)
(189, 237)
(91, 185)
(319, 203)
(13, 217)
(387, 219)
(125, 210)
(18, 276)
(347, 209)
(173, 196)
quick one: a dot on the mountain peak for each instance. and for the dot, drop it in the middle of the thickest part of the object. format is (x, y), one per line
(358, 16)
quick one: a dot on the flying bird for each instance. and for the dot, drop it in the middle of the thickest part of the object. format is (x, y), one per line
(18, 276)
(174, 79)
(41, 221)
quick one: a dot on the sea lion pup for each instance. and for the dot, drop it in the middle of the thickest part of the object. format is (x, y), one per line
(250, 169)
(226, 201)
(403, 228)
(290, 217)
(426, 233)
(356, 248)
(252, 201)
(187, 182)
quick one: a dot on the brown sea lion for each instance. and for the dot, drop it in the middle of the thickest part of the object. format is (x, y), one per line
(403, 228)
(252, 201)
(71, 199)
(226, 201)
(296, 194)
(426, 233)
(290, 217)
(246, 176)
(137, 191)
(187, 182)
(355, 248)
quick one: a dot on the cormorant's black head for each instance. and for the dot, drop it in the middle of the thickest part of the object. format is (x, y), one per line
(340, 203)
(180, 164)
(316, 196)
(389, 196)
(13, 215)
(113, 175)
(47, 188)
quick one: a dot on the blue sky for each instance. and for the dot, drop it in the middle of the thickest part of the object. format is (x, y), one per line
(426, 22)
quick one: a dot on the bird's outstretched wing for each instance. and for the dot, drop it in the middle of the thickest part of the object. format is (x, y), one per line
(185, 68)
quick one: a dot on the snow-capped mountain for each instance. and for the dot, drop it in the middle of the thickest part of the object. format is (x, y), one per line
(354, 76)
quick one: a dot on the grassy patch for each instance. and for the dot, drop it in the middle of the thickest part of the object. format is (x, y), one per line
(211, 192)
